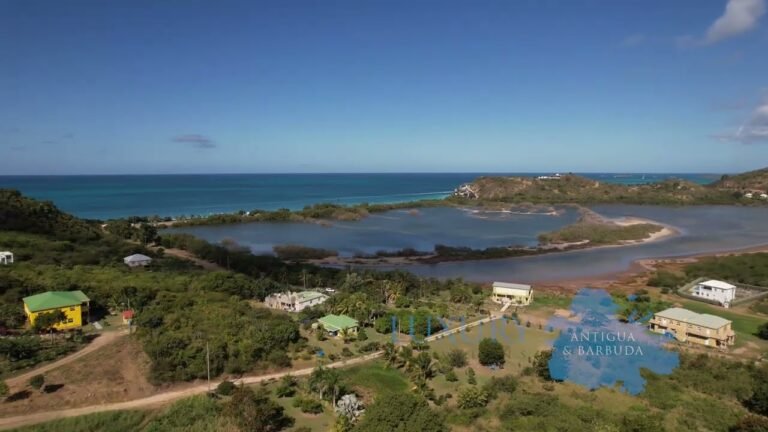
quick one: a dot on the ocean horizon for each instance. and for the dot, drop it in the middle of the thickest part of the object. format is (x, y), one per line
(176, 195)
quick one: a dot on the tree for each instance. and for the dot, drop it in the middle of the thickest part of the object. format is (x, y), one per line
(287, 387)
(491, 352)
(402, 412)
(456, 358)
(3, 389)
(471, 376)
(147, 233)
(362, 336)
(390, 354)
(255, 412)
(541, 364)
(423, 366)
(46, 321)
(37, 382)
(762, 331)
(226, 388)
(326, 382)
(473, 397)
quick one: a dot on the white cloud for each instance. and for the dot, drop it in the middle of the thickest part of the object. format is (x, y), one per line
(740, 16)
(754, 130)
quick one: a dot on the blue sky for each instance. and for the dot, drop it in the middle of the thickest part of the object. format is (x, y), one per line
(383, 86)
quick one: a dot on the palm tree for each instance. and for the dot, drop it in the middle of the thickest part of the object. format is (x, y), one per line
(390, 354)
(406, 358)
(423, 366)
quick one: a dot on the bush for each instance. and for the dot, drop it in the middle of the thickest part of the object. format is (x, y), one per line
(456, 358)
(362, 336)
(370, 347)
(506, 384)
(450, 376)
(472, 397)
(666, 279)
(491, 352)
(308, 405)
(471, 376)
(226, 388)
(37, 382)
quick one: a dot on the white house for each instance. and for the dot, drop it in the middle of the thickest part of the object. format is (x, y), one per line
(6, 257)
(748, 195)
(294, 301)
(764, 195)
(512, 293)
(137, 260)
(719, 291)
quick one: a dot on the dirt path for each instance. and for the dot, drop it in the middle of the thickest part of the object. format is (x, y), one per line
(179, 253)
(104, 338)
(171, 396)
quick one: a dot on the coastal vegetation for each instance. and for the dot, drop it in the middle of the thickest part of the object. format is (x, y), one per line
(599, 233)
(575, 189)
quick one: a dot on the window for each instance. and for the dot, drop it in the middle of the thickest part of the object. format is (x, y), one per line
(72, 308)
(70, 321)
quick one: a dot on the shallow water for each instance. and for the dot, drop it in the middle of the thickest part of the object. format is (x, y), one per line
(394, 230)
(702, 229)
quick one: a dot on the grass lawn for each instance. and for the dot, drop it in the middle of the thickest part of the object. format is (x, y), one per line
(520, 344)
(377, 378)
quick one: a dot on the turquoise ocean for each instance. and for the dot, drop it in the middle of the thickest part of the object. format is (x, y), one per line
(115, 196)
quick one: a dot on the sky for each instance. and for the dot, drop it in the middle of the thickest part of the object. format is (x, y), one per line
(187, 86)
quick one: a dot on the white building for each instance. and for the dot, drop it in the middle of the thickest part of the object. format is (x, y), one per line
(6, 257)
(512, 293)
(764, 195)
(748, 195)
(137, 260)
(719, 291)
(294, 301)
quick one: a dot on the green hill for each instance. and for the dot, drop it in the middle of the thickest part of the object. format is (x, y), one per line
(572, 188)
(19, 213)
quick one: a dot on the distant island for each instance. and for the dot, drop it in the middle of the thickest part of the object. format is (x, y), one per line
(749, 188)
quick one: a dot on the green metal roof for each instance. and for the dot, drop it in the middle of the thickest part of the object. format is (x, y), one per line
(54, 299)
(703, 320)
(337, 322)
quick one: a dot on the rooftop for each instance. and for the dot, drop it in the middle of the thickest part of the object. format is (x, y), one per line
(337, 322)
(690, 317)
(718, 284)
(136, 257)
(511, 286)
(54, 300)
(304, 296)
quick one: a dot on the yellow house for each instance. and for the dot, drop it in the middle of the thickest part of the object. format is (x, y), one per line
(72, 303)
(512, 293)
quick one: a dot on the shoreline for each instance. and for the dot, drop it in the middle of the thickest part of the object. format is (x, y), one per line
(642, 266)
(666, 232)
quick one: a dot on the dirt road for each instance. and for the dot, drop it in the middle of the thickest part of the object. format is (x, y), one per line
(104, 338)
(171, 396)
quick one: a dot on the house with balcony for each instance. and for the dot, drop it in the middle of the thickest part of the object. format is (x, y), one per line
(691, 327)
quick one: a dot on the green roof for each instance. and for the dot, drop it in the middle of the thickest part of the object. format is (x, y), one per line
(337, 322)
(684, 315)
(54, 299)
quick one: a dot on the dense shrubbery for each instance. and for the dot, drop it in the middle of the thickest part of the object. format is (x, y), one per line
(749, 269)
(599, 233)
(298, 252)
(665, 279)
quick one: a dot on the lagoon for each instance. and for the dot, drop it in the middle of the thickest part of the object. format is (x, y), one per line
(703, 229)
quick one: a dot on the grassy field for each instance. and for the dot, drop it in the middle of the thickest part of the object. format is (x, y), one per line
(520, 344)
(116, 421)
(376, 378)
